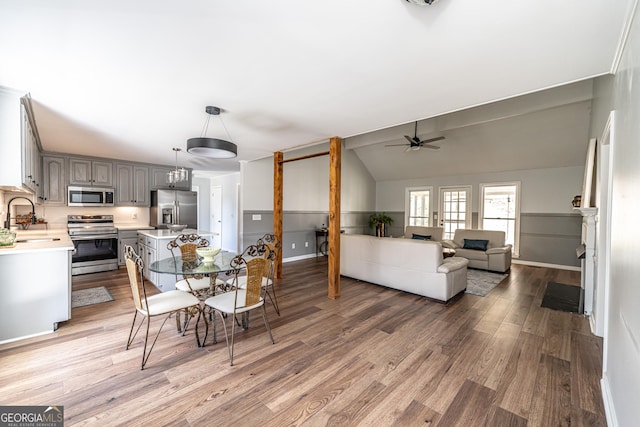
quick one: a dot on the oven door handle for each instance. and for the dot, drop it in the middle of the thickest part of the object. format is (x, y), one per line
(94, 237)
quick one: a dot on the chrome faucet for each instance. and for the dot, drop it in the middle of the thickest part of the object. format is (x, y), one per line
(7, 223)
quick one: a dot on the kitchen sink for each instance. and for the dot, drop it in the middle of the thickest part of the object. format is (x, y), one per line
(38, 240)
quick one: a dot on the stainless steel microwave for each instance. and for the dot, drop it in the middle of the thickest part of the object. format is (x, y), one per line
(90, 196)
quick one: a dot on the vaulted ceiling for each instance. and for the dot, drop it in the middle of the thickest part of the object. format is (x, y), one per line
(131, 79)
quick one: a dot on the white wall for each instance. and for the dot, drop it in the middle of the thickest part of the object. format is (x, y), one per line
(543, 190)
(306, 183)
(621, 376)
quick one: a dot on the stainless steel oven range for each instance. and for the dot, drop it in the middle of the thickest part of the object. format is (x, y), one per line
(96, 243)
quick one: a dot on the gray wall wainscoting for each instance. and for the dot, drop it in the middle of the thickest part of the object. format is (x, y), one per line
(299, 228)
(550, 238)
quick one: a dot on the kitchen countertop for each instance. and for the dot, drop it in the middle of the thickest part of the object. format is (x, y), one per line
(132, 227)
(64, 244)
(168, 234)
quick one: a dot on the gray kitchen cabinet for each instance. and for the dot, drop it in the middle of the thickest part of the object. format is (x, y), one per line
(20, 167)
(31, 165)
(86, 172)
(54, 184)
(159, 179)
(132, 185)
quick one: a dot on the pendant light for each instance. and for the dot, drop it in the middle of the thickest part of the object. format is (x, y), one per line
(212, 147)
(177, 175)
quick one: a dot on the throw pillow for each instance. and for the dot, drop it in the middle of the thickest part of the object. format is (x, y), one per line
(479, 245)
(420, 237)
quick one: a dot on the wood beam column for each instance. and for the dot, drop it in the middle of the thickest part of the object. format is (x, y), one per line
(278, 157)
(335, 164)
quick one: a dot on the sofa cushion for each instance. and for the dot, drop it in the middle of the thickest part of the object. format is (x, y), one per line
(472, 254)
(495, 238)
(420, 237)
(476, 244)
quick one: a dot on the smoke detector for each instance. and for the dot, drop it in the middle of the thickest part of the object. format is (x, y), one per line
(421, 2)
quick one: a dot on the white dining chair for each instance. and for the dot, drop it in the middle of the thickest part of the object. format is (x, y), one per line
(165, 303)
(241, 301)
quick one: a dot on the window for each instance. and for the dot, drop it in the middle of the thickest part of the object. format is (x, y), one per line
(455, 209)
(500, 210)
(418, 206)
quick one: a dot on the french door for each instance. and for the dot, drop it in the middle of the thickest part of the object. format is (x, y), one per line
(455, 209)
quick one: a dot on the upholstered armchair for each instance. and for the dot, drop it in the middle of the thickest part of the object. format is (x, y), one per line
(485, 249)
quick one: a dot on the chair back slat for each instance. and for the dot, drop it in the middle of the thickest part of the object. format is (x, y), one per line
(188, 252)
(136, 280)
(255, 269)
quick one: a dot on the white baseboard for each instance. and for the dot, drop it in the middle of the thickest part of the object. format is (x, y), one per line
(544, 264)
(609, 410)
(299, 258)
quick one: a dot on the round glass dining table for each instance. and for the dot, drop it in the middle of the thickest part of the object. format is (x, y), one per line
(187, 268)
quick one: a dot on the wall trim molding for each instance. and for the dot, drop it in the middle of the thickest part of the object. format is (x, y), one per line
(544, 264)
(299, 257)
(553, 236)
(609, 408)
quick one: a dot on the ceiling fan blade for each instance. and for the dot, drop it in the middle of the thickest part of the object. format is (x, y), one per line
(396, 145)
(437, 138)
(410, 148)
(411, 141)
(433, 147)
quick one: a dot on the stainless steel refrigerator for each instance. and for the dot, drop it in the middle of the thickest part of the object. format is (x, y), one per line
(174, 207)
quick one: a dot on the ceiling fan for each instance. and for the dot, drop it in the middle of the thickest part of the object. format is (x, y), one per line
(415, 143)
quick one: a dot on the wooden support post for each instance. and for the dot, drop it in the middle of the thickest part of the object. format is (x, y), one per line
(335, 161)
(278, 157)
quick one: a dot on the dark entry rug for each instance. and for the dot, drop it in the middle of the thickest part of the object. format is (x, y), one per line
(559, 296)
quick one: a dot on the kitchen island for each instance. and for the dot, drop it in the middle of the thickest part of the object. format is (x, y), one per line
(152, 246)
(35, 290)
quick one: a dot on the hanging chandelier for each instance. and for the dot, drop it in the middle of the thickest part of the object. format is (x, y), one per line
(177, 175)
(212, 147)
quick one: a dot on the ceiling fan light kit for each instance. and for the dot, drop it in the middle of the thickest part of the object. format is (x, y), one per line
(212, 147)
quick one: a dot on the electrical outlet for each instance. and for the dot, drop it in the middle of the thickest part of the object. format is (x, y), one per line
(293, 246)
(134, 215)
(306, 244)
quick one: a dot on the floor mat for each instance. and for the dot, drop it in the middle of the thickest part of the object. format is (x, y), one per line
(90, 296)
(559, 296)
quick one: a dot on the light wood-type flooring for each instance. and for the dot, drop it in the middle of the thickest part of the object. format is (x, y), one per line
(375, 357)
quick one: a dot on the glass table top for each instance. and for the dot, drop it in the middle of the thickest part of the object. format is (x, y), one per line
(170, 265)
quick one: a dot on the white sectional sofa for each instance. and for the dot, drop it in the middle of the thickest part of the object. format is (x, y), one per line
(485, 249)
(415, 266)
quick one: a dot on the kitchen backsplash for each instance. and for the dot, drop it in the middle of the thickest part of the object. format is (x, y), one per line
(56, 216)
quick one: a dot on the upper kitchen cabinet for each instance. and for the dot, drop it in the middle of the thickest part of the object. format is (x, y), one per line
(159, 179)
(132, 185)
(31, 165)
(19, 143)
(87, 172)
(53, 171)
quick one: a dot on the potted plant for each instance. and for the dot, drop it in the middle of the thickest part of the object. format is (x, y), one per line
(379, 221)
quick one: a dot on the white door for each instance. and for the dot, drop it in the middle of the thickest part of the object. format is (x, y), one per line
(455, 209)
(216, 215)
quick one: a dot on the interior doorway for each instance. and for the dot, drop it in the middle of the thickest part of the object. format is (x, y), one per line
(215, 220)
